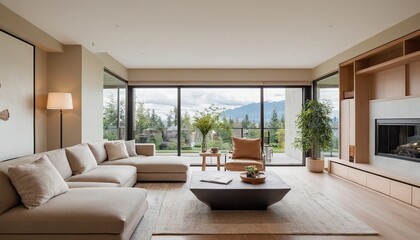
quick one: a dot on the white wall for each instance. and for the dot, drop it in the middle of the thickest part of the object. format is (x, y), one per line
(292, 108)
(404, 108)
(92, 97)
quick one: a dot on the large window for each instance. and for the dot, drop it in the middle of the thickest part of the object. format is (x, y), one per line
(156, 118)
(281, 105)
(114, 107)
(239, 111)
(326, 89)
(242, 112)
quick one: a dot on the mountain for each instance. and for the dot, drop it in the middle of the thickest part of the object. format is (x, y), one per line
(253, 111)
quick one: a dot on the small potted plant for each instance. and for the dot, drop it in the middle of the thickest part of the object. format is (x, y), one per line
(251, 171)
(315, 132)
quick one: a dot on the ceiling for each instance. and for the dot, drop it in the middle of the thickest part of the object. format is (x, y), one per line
(215, 33)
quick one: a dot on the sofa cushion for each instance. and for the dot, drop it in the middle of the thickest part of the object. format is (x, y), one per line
(91, 184)
(116, 150)
(59, 159)
(80, 158)
(156, 164)
(240, 164)
(37, 182)
(246, 148)
(122, 175)
(78, 212)
(98, 150)
(9, 198)
(131, 148)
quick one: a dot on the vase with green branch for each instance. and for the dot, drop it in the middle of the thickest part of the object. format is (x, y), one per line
(315, 133)
(206, 121)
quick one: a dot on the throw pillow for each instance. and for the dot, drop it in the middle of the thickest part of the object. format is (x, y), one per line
(116, 150)
(131, 148)
(37, 182)
(246, 148)
(98, 150)
(81, 159)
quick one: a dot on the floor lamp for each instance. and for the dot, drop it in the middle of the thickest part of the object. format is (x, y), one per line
(60, 101)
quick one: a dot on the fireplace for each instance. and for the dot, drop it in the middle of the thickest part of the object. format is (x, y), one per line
(398, 138)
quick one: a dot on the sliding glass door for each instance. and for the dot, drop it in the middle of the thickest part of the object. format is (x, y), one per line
(165, 116)
(114, 107)
(156, 118)
(326, 89)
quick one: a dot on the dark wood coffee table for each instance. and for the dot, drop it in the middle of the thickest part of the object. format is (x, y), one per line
(238, 195)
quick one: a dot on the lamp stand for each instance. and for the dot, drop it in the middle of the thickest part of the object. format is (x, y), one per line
(61, 128)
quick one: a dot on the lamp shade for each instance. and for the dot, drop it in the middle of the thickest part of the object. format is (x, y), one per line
(59, 100)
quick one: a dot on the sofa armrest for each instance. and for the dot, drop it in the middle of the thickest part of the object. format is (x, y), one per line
(146, 149)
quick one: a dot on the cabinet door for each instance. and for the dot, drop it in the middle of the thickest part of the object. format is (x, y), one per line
(345, 129)
(352, 122)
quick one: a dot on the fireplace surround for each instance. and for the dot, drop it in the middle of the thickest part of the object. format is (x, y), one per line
(398, 138)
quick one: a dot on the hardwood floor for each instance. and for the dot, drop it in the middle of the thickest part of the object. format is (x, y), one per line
(391, 218)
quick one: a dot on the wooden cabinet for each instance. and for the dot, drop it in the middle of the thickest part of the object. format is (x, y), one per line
(378, 183)
(357, 176)
(347, 130)
(381, 181)
(401, 191)
(391, 71)
(416, 197)
(339, 170)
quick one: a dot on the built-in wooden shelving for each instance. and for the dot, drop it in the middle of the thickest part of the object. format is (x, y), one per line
(391, 71)
(409, 58)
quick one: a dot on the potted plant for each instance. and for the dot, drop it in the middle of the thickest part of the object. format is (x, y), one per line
(251, 171)
(205, 121)
(315, 132)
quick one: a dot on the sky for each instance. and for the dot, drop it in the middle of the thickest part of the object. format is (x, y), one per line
(194, 99)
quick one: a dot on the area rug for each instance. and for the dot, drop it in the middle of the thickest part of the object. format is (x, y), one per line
(303, 211)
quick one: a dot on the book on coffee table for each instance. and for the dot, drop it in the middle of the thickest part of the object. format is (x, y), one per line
(218, 179)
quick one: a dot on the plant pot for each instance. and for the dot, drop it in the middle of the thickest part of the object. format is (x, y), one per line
(315, 165)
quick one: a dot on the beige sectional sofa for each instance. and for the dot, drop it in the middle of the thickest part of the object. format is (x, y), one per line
(99, 204)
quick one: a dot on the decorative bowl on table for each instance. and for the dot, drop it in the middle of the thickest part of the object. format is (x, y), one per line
(214, 150)
(258, 179)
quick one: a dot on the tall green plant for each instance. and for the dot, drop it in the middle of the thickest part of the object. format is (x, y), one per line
(206, 120)
(315, 132)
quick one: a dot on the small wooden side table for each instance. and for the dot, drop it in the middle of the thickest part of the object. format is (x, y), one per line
(209, 154)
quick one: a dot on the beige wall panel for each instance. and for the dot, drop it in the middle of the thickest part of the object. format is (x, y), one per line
(389, 83)
(357, 176)
(113, 65)
(416, 197)
(340, 170)
(41, 92)
(401, 191)
(92, 97)
(401, 29)
(219, 76)
(377, 183)
(414, 80)
(64, 74)
(18, 26)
